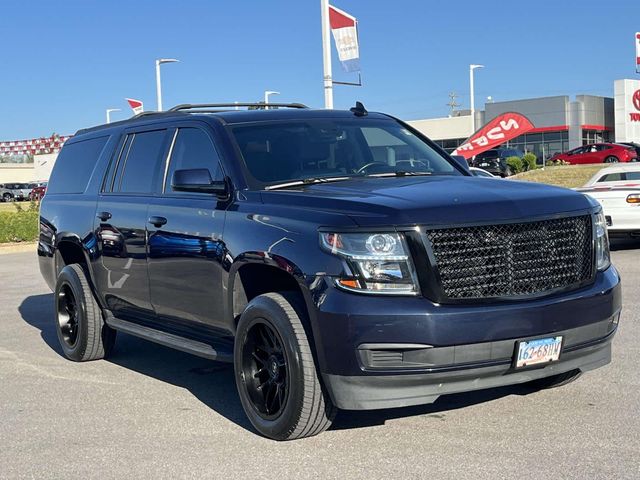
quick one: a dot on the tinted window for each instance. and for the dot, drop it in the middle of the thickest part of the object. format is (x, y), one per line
(488, 154)
(143, 164)
(600, 148)
(193, 149)
(289, 151)
(611, 177)
(74, 165)
(633, 175)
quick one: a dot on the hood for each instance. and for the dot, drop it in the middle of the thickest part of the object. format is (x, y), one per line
(438, 200)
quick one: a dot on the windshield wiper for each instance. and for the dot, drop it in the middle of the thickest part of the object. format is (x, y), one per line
(306, 181)
(398, 173)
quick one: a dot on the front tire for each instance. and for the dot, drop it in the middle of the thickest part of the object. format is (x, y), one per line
(275, 371)
(81, 330)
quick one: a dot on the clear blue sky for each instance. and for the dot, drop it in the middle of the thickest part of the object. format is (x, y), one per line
(64, 63)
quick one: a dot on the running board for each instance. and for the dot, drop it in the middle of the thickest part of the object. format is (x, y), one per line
(187, 345)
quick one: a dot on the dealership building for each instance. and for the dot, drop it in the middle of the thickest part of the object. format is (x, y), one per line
(560, 122)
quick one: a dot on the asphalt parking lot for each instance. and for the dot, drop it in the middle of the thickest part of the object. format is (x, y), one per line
(151, 412)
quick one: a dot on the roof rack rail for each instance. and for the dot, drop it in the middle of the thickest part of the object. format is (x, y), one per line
(196, 106)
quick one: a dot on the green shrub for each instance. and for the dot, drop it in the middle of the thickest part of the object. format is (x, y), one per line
(530, 161)
(19, 226)
(515, 163)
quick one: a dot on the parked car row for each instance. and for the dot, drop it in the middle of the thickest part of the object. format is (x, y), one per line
(599, 153)
(12, 192)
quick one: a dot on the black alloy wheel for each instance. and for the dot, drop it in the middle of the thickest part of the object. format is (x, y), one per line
(80, 326)
(265, 369)
(67, 310)
(276, 376)
(611, 159)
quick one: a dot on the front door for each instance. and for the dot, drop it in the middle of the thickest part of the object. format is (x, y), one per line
(121, 223)
(186, 250)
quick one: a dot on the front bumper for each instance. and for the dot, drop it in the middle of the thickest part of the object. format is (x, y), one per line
(459, 347)
(401, 390)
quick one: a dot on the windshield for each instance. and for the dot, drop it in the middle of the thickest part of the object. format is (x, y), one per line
(277, 152)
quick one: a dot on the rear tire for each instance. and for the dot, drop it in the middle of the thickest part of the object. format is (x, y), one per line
(7, 197)
(555, 381)
(611, 159)
(81, 330)
(275, 371)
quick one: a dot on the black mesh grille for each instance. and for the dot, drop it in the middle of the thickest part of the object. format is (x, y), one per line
(513, 259)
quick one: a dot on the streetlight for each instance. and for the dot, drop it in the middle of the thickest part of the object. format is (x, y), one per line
(267, 94)
(109, 110)
(160, 61)
(472, 67)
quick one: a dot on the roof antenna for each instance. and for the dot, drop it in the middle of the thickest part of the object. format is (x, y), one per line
(359, 110)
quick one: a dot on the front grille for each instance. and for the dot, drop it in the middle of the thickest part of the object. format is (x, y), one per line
(515, 259)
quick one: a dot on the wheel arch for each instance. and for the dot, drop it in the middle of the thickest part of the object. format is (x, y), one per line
(69, 250)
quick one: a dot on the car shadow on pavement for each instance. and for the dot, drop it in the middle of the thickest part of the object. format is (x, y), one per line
(213, 383)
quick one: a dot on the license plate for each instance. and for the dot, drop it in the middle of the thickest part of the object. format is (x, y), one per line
(535, 352)
(484, 164)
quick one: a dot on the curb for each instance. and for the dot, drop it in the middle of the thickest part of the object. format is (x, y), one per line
(6, 248)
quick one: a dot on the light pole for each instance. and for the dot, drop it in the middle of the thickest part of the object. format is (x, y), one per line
(326, 54)
(160, 61)
(472, 67)
(267, 94)
(109, 110)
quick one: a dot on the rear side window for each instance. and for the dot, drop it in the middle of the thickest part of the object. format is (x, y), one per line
(193, 149)
(74, 165)
(632, 176)
(140, 167)
(611, 177)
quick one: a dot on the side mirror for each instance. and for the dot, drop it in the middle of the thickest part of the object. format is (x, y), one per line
(198, 180)
(462, 162)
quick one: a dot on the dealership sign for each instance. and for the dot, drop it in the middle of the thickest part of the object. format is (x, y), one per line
(136, 105)
(345, 33)
(627, 110)
(501, 129)
(635, 99)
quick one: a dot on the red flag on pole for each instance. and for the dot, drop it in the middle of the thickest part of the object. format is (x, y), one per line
(136, 105)
(499, 130)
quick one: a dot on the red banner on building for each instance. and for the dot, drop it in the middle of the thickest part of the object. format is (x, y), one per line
(499, 130)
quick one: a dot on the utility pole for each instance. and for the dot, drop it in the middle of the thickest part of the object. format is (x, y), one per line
(452, 103)
(326, 55)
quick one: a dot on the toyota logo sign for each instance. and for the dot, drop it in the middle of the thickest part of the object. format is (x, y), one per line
(636, 99)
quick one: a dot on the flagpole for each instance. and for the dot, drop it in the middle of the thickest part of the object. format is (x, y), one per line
(326, 55)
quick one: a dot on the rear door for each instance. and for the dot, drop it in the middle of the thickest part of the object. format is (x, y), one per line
(134, 176)
(186, 250)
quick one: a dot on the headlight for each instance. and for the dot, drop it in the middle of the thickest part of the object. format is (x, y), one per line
(379, 262)
(603, 259)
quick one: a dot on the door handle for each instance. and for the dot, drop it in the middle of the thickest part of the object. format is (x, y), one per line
(104, 216)
(157, 221)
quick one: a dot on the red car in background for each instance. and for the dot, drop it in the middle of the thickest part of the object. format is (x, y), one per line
(38, 192)
(598, 153)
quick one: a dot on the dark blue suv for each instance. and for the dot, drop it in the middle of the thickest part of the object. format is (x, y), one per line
(339, 259)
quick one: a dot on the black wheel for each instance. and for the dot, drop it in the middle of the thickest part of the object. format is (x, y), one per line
(7, 197)
(556, 380)
(81, 330)
(611, 159)
(275, 372)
